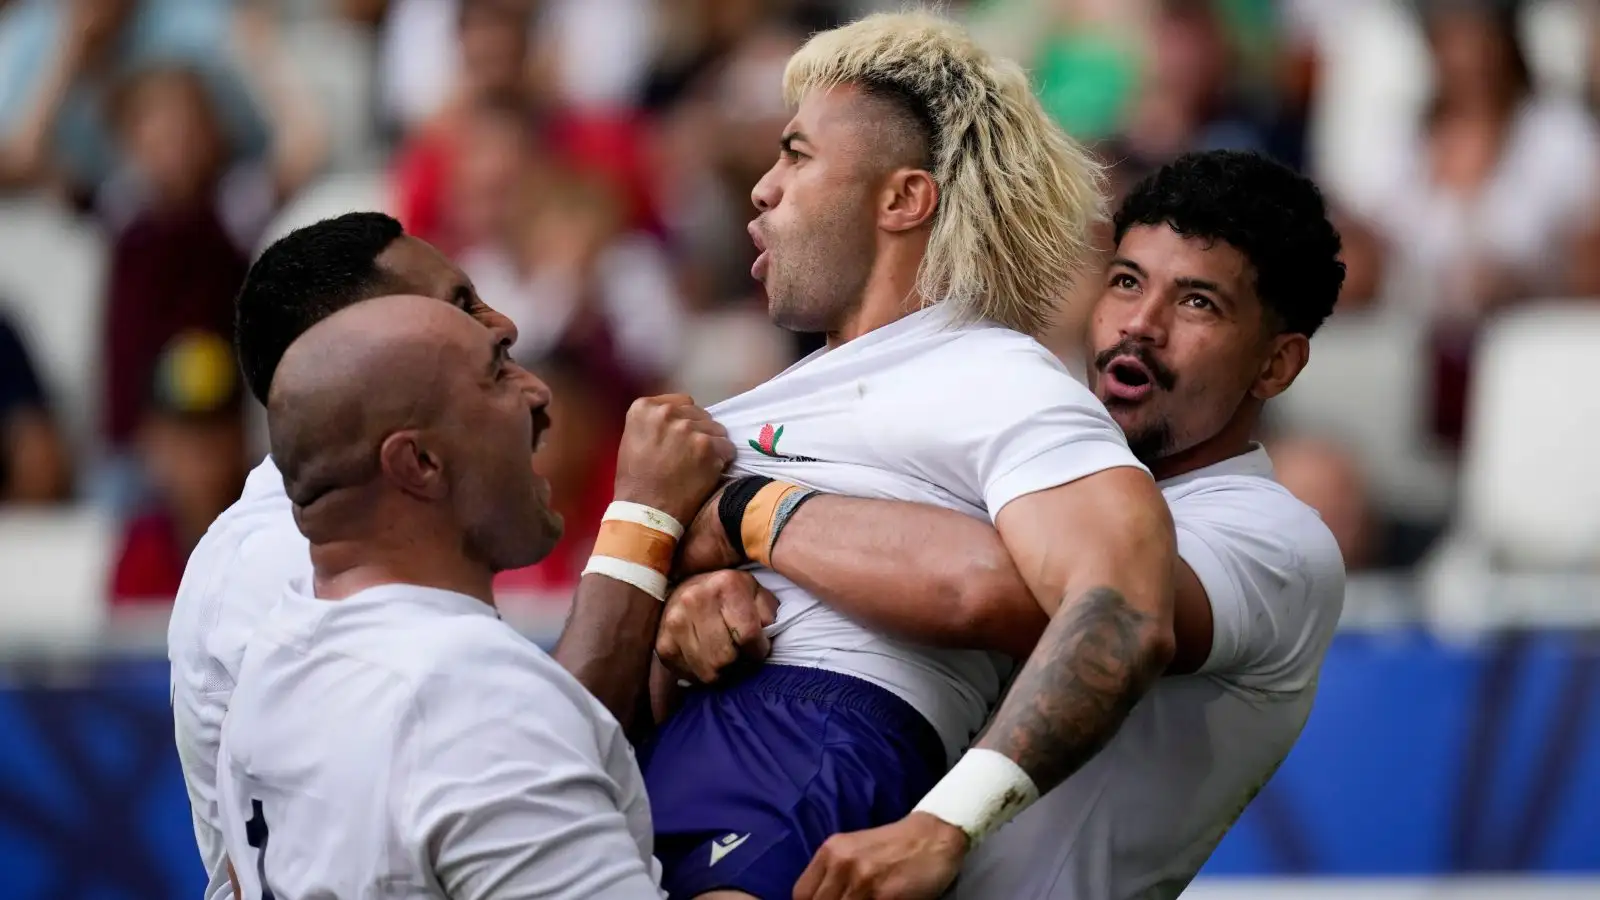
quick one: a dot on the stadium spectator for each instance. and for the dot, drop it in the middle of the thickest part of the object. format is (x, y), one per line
(60, 60)
(35, 466)
(497, 69)
(498, 156)
(719, 115)
(1486, 203)
(567, 271)
(191, 444)
(1190, 98)
(183, 217)
(1085, 55)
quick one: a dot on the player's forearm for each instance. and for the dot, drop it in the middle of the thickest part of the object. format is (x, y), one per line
(1097, 658)
(608, 642)
(1105, 546)
(915, 571)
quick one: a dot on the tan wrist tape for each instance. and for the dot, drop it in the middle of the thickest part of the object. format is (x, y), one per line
(760, 516)
(635, 543)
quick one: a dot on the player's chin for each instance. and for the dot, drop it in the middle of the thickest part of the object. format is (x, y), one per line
(1130, 416)
(535, 540)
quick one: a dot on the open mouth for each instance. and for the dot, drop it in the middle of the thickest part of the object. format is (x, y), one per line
(1127, 379)
(758, 269)
(541, 428)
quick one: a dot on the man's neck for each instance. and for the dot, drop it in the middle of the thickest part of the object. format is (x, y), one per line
(345, 568)
(1234, 440)
(889, 296)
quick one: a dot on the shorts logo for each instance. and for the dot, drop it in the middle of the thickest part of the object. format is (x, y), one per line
(724, 845)
(766, 444)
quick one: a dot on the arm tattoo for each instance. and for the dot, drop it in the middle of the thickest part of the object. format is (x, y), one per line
(1083, 678)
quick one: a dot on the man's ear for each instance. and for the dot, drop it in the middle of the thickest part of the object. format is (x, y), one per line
(1290, 353)
(909, 199)
(410, 464)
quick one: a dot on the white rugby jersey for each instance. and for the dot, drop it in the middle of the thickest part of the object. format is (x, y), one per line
(234, 576)
(1144, 815)
(406, 743)
(968, 417)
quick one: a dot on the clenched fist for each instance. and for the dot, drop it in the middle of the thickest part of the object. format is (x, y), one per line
(672, 455)
(713, 620)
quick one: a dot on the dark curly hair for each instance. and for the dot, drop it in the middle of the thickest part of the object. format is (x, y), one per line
(1271, 214)
(303, 278)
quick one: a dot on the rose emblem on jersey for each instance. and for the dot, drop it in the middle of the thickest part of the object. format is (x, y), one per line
(766, 443)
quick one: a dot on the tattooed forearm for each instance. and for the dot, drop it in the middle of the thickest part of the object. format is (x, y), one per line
(1090, 668)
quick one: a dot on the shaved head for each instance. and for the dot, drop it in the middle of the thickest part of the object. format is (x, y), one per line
(353, 379)
(403, 414)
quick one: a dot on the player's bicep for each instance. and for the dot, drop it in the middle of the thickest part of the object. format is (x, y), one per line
(1110, 529)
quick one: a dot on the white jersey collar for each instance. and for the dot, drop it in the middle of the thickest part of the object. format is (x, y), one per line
(1253, 462)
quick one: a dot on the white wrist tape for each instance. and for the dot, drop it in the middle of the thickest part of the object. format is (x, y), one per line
(642, 577)
(639, 514)
(984, 791)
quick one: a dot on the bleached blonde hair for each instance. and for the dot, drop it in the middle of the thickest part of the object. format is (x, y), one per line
(1017, 197)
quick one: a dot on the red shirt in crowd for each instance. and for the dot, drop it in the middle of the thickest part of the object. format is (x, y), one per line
(609, 146)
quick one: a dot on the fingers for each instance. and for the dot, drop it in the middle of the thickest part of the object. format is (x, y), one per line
(723, 449)
(743, 619)
(694, 639)
(766, 605)
(810, 881)
(828, 877)
(715, 648)
(669, 649)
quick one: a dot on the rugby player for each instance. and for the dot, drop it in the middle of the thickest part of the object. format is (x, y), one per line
(669, 458)
(1225, 264)
(388, 732)
(926, 216)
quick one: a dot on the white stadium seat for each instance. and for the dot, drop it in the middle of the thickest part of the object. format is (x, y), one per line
(1365, 388)
(52, 273)
(56, 566)
(1529, 493)
(333, 60)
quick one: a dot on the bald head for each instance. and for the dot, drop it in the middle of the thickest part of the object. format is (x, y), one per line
(367, 372)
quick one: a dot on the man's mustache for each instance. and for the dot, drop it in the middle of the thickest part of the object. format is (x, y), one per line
(1163, 376)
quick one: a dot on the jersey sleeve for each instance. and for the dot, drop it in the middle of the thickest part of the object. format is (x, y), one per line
(509, 798)
(1027, 426)
(1275, 580)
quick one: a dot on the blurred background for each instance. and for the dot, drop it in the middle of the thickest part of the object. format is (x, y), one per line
(589, 163)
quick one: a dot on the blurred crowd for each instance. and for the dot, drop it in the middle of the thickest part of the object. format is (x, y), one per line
(589, 163)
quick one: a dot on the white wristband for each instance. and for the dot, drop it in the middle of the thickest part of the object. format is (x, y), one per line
(983, 791)
(639, 514)
(642, 577)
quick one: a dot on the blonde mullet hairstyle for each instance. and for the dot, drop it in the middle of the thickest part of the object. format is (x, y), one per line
(1017, 197)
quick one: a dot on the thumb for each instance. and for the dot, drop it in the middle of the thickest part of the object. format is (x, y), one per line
(759, 646)
(766, 606)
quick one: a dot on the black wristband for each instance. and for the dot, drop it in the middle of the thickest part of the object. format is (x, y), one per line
(730, 510)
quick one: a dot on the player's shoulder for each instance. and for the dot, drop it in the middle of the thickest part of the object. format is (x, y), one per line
(1000, 364)
(254, 540)
(476, 653)
(236, 573)
(1005, 345)
(1247, 507)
